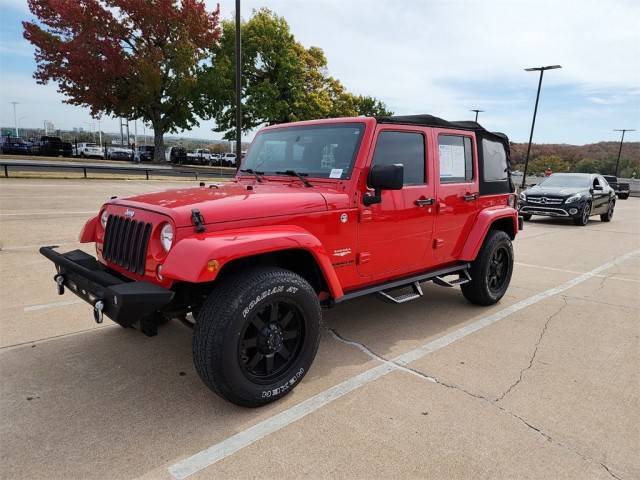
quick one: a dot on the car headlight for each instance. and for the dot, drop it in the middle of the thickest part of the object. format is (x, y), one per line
(103, 219)
(523, 197)
(574, 198)
(166, 236)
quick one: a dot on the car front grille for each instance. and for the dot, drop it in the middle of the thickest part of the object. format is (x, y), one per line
(545, 200)
(126, 242)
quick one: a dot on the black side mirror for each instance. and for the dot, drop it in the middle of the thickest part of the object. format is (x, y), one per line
(597, 187)
(384, 177)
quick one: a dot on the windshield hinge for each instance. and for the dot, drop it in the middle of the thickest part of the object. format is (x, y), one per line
(198, 220)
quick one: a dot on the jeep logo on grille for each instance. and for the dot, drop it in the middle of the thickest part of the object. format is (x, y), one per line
(129, 213)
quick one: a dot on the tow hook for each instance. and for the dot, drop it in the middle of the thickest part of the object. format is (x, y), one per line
(59, 278)
(97, 311)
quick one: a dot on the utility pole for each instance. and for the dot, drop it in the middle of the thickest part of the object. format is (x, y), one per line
(535, 111)
(477, 112)
(238, 87)
(623, 130)
(99, 132)
(15, 119)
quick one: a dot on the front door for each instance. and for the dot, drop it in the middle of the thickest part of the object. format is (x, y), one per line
(457, 191)
(394, 236)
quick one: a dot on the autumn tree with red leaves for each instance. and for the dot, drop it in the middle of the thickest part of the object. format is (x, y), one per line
(128, 58)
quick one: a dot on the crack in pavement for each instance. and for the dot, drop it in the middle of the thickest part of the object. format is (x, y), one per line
(535, 350)
(432, 379)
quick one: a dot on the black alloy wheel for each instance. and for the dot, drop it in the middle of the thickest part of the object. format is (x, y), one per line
(271, 340)
(498, 269)
(583, 219)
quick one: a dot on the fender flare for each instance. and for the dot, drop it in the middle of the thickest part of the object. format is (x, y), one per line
(88, 232)
(187, 261)
(482, 225)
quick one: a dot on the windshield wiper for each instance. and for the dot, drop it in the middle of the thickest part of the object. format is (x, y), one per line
(255, 173)
(293, 173)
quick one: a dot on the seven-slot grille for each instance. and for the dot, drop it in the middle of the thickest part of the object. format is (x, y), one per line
(125, 243)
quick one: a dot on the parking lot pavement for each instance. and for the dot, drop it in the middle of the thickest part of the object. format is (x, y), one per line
(543, 385)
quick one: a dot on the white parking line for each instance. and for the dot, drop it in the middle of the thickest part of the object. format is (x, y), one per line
(231, 445)
(44, 306)
(543, 267)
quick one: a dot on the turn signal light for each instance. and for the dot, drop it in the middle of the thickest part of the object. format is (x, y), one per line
(512, 200)
(212, 265)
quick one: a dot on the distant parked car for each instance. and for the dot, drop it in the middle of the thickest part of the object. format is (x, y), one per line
(228, 160)
(201, 156)
(569, 195)
(176, 154)
(144, 153)
(14, 146)
(120, 153)
(621, 188)
(85, 150)
(52, 147)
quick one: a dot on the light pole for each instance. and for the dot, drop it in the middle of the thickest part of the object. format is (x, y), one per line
(18, 124)
(535, 111)
(15, 120)
(238, 87)
(623, 130)
(477, 112)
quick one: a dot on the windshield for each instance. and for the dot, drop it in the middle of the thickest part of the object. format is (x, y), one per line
(570, 181)
(322, 151)
(91, 145)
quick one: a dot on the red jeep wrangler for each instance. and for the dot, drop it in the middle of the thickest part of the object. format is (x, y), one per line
(320, 212)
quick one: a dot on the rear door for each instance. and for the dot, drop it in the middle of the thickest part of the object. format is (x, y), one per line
(457, 190)
(394, 236)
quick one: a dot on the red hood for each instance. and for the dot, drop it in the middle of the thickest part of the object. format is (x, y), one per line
(231, 201)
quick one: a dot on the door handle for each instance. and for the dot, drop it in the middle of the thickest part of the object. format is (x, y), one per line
(469, 197)
(423, 202)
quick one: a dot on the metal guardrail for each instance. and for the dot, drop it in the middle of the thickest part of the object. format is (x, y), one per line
(147, 171)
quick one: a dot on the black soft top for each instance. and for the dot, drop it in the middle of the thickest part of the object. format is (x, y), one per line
(433, 121)
(487, 187)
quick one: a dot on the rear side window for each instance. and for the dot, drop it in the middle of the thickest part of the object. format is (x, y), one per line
(456, 159)
(495, 161)
(406, 148)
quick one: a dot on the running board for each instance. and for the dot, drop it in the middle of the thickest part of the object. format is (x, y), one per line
(407, 297)
(437, 276)
(463, 278)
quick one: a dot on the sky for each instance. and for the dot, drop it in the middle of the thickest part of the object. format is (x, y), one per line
(442, 57)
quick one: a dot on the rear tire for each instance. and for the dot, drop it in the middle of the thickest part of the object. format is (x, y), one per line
(606, 217)
(257, 335)
(491, 270)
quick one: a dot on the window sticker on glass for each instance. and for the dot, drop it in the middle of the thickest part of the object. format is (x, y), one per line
(452, 160)
(336, 173)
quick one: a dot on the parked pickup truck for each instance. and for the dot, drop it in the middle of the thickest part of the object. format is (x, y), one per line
(201, 156)
(621, 188)
(320, 212)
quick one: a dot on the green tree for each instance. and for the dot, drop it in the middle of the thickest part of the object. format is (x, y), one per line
(589, 165)
(554, 162)
(282, 81)
(128, 58)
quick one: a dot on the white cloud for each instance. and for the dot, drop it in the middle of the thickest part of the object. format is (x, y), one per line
(444, 57)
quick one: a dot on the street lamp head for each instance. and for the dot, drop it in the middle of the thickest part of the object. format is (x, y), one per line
(538, 69)
(476, 110)
(624, 130)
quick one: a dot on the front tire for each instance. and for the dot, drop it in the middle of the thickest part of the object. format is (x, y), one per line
(583, 219)
(623, 196)
(526, 217)
(257, 335)
(491, 270)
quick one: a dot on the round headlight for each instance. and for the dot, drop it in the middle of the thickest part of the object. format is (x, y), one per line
(166, 236)
(103, 219)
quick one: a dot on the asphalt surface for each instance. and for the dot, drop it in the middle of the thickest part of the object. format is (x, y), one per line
(546, 384)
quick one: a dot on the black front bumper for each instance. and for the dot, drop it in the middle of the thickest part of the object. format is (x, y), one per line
(122, 300)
